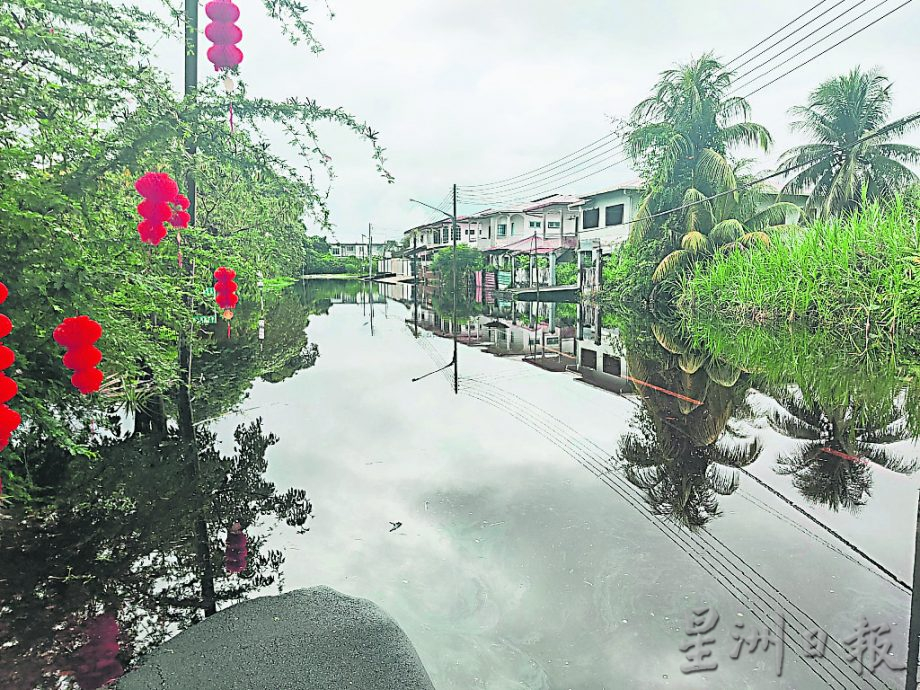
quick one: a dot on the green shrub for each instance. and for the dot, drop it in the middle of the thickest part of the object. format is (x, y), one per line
(862, 271)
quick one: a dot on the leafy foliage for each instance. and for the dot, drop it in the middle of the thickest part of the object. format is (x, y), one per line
(834, 168)
(82, 115)
(681, 137)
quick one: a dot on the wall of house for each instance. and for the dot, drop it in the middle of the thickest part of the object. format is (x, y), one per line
(610, 235)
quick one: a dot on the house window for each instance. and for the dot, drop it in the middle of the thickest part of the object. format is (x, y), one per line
(512, 227)
(535, 224)
(613, 215)
(502, 229)
(612, 365)
(588, 358)
(457, 233)
(591, 219)
(444, 235)
(336, 251)
(553, 224)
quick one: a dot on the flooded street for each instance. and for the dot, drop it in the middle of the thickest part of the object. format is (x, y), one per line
(551, 525)
(525, 557)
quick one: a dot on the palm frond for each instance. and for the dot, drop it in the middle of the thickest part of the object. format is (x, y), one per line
(669, 265)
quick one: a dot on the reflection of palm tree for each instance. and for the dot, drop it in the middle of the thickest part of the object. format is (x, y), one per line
(832, 464)
(684, 441)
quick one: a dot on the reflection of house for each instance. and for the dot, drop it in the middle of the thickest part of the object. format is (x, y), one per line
(599, 358)
(356, 249)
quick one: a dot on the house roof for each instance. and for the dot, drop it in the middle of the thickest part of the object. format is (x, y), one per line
(552, 200)
(629, 186)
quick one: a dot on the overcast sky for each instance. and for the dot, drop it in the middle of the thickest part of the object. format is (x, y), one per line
(473, 91)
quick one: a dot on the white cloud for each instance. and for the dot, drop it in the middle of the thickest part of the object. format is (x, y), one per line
(475, 91)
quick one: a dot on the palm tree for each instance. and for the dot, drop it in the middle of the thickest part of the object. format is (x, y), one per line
(680, 138)
(831, 466)
(731, 221)
(835, 169)
(684, 448)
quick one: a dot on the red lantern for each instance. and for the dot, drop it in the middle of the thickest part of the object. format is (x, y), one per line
(8, 388)
(78, 334)
(6, 326)
(224, 34)
(9, 421)
(157, 187)
(162, 204)
(7, 357)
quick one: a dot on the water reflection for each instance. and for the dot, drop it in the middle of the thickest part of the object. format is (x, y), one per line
(701, 400)
(133, 544)
(831, 465)
(683, 444)
(129, 545)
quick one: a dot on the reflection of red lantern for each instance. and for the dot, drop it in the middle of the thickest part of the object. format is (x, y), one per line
(224, 34)
(237, 553)
(78, 334)
(97, 661)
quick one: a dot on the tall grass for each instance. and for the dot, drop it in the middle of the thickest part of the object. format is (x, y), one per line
(861, 271)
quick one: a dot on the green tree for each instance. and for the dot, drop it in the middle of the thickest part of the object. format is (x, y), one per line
(831, 465)
(83, 113)
(836, 170)
(468, 260)
(681, 139)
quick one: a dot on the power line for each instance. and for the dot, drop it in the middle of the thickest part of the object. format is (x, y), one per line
(539, 180)
(542, 167)
(770, 176)
(746, 78)
(551, 181)
(608, 152)
(782, 28)
(815, 57)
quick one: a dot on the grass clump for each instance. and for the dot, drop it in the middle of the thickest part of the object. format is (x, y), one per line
(860, 271)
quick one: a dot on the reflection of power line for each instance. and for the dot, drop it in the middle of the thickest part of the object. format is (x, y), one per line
(830, 530)
(715, 562)
(714, 558)
(578, 447)
(472, 383)
(750, 498)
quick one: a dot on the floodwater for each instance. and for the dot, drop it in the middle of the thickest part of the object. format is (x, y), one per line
(590, 491)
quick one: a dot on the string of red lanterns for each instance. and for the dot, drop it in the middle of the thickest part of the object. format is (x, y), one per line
(162, 204)
(78, 334)
(10, 419)
(237, 551)
(224, 34)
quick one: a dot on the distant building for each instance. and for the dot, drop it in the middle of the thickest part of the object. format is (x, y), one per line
(355, 249)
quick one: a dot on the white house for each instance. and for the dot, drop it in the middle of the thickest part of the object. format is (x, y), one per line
(605, 216)
(356, 249)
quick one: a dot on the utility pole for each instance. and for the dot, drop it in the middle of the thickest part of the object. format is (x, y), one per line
(415, 283)
(184, 404)
(455, 231)
(370, 251)
(913, 634)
